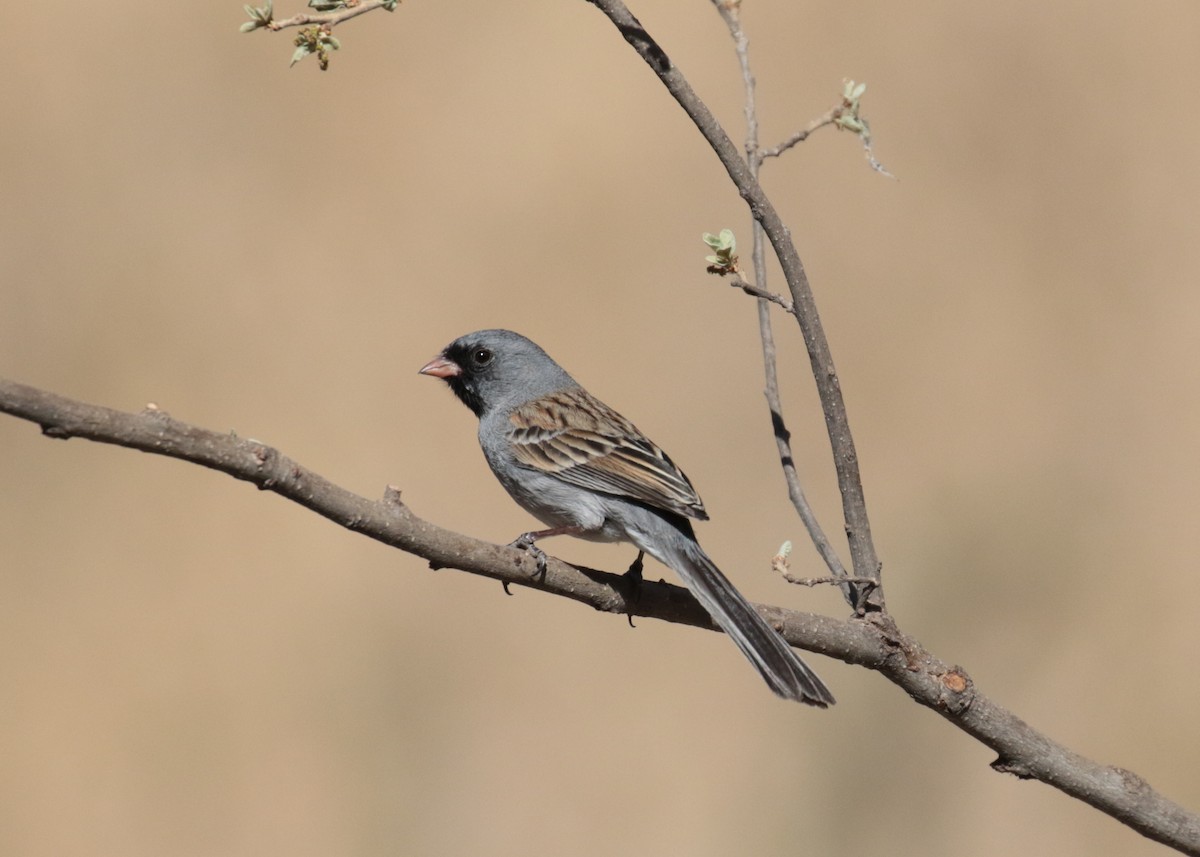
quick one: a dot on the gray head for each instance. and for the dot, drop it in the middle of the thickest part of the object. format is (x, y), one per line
(491, 369)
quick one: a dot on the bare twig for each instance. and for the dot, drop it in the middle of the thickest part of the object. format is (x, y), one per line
(825, 581)
(330, 19)
(738, 282)
(874, 643)
(869, 151)
(800, 136)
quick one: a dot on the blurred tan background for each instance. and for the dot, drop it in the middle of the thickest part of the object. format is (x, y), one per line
(191, 667)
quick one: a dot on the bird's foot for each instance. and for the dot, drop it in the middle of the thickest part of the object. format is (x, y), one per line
(528, 543)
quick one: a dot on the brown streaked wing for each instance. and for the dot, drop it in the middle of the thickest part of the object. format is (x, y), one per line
(576, 437)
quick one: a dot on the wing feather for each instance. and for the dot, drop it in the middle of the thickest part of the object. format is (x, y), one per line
(579, 439)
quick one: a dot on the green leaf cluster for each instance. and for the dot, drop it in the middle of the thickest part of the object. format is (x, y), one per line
(315, 40)
(848, 118)
(259, 17)
(724, 246)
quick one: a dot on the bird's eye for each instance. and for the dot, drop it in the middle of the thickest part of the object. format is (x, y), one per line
(482, 356)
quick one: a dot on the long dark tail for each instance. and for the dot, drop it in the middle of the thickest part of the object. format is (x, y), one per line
(774, 659)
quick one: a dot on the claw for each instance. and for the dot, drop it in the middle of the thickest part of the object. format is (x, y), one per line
(634, 576)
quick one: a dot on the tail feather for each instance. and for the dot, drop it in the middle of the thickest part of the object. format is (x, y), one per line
(775, 660)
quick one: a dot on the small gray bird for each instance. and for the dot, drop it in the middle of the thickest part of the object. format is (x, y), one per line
(584, 470)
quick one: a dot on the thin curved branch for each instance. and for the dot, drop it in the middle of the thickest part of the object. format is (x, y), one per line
(864, 559)
(783, 437)
(874, 643)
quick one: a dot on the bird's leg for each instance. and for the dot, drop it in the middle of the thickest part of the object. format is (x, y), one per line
(634, 576)
(528, 543)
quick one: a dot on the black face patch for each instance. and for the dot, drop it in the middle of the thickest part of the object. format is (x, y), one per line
(474, 362)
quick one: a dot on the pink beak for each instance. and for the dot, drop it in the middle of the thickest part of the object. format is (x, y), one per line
(441, 367)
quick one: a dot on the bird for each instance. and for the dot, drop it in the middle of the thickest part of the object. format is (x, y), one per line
(584, 470)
